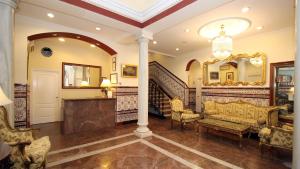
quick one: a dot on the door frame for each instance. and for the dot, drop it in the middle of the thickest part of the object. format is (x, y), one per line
(32, 99)
(273, 66)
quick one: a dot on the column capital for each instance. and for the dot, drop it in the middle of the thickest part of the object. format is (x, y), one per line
(144, 35)
(11, 3)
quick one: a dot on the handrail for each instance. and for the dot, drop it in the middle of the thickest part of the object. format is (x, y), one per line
(173, 76)
(160, 88)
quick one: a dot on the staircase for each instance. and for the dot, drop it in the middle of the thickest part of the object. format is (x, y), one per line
(158, 100)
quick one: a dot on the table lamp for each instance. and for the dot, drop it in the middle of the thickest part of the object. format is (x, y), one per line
(106, 84)
(3, 100)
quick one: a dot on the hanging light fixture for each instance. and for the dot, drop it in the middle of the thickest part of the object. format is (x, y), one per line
(222, 45)
(257, 61)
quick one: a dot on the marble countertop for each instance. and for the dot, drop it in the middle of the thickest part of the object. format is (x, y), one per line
(88, 98)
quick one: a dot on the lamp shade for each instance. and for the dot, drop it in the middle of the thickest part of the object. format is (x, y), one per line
(3, 99)
(105, 83)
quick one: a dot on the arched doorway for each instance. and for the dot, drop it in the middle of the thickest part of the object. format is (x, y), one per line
(87, 59)
(195, 81)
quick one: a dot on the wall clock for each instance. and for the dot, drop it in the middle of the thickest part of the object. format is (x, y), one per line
(47, 52)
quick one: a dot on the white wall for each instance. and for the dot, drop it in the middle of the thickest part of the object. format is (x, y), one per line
(278, 45)
(26, 26)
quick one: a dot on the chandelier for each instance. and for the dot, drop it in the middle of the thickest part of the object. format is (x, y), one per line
(257, 61)
(222, 45)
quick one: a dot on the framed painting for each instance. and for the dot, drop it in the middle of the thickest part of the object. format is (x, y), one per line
(129, 71)
(214, 75)
(229, 76)
(114, 78)
(114, 64)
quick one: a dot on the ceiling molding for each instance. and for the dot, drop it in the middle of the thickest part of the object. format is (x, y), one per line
(73, 36)
(161, 53)
(146, 18)
(124, 9)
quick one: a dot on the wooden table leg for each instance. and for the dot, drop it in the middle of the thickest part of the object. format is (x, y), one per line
(241, 138)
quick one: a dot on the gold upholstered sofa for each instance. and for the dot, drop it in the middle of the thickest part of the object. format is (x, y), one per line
(242, 113)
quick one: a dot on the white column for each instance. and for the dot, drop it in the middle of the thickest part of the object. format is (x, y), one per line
(7, 8)
(296, 139)
(142, 130)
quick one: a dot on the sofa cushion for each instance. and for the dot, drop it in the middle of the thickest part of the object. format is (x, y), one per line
(210, 105)
(189, 116)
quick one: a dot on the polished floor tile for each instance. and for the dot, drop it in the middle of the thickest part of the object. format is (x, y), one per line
(155, 152)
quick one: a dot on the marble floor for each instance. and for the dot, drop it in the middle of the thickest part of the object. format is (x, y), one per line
(167, 149)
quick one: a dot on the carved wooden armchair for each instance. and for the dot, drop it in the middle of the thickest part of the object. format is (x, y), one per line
(26, 151)
(181, 115)
(276, 137)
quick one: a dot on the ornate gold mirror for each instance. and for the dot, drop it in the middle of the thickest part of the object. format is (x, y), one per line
(235, 70)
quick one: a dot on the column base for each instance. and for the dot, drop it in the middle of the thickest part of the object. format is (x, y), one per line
(142, 132)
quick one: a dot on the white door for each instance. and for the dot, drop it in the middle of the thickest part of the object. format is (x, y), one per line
(45, 96)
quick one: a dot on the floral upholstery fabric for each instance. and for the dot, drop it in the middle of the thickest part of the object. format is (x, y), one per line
(35, 152)
(209, 107)
(277, 136)
(38, 151)
(242, 112)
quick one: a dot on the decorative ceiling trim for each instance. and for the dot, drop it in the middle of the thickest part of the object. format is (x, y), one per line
(140, 16)
(127, 20)
(73, 36)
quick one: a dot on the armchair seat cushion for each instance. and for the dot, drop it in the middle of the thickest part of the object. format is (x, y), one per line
(186, 116)
(38, 150)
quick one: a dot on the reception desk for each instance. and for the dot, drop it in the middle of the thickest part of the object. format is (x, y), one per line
(86, 114)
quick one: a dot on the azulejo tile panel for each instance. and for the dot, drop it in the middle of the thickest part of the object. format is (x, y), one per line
(257, 96)
(127, 103)
(21, 102)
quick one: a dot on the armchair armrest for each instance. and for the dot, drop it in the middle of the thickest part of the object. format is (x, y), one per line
(272, 117)
(265, 135)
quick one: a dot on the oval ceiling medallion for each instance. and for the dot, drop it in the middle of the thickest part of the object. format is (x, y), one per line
(232, 26)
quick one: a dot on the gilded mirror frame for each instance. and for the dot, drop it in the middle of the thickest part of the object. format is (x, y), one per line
(236, 83)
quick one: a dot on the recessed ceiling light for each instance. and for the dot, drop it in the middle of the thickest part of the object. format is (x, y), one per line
(78, 37)
(50, 15)
(61, 39)
(245, 9)
(259, 27)
(92, 45)
(177, 49)
(154, 42)
(97, 44)
(98, 29)
(187, 30)
(54, 34)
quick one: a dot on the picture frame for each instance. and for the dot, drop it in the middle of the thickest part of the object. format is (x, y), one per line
(229, 76)
(129, 71)
(214, 75)
(114, 78)
(114, 64)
